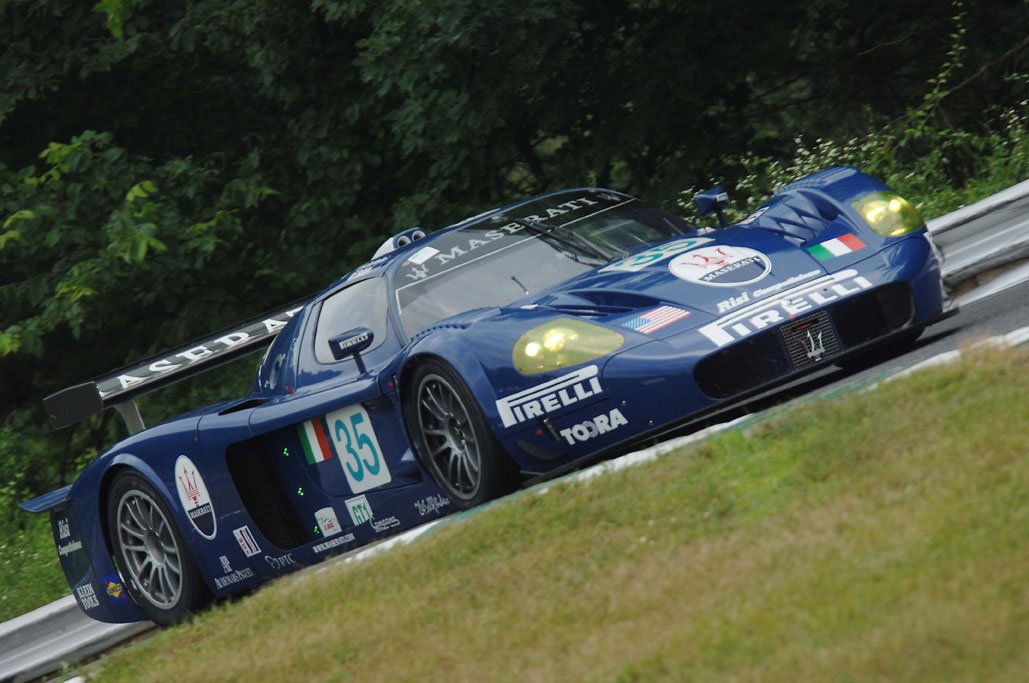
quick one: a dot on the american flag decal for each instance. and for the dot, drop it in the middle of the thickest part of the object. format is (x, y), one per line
(654, 320)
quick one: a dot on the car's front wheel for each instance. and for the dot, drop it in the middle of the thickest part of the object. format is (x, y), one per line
(452, 438)
(153, 559)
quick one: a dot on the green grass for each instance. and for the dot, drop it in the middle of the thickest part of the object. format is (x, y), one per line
(30, 569)
(878, 535)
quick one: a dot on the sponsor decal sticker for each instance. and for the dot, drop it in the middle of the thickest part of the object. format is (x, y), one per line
(638, 262)
(231, 577)
(327, 522)
(334, 543)
(87, 596)
(281, 562)
(601, 424)
(830, 249)
(779, 286)
(802, 299)
(359, 453)
(361, 512)
(721, 266)
(315, 441)
(550, 396)
(733, 302)
(69, 548)
(246, 541)
(235, 577)
(114, 588)
(431, 505)
(63, 534)
(384, 524)
(655, 319)
(194, 497)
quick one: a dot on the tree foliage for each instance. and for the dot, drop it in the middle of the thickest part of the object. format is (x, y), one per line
(167, 168)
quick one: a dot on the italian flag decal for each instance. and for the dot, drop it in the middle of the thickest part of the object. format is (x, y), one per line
(314, 441)
(836, 247)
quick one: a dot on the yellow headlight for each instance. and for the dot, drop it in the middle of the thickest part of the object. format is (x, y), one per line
(562, 343)
(888, 213)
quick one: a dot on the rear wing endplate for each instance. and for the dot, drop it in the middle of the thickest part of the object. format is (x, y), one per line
(117, 389)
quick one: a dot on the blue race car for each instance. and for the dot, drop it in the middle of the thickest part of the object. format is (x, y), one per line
(455, 367)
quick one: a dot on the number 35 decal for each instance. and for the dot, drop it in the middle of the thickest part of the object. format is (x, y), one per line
(358, 449)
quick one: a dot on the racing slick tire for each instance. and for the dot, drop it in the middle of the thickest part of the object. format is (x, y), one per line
(452, 440)
(150, 553)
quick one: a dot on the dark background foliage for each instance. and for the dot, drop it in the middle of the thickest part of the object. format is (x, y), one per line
(169, 168)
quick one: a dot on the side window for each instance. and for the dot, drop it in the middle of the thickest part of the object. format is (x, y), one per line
(362, 304)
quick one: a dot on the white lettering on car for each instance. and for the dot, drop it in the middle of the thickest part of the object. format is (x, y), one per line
(762, 314)
(601, 424)
(550, 396)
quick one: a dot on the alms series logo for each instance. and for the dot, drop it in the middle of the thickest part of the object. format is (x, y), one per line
(194, 497)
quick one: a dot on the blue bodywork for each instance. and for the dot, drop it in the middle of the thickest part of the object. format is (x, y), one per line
(274, 510)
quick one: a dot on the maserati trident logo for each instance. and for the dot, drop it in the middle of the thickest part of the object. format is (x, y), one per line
(815, 347)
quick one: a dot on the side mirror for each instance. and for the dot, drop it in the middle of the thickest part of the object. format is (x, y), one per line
(716, 199)
(352, 343)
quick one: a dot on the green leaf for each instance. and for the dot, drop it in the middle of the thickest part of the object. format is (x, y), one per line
(20, 215)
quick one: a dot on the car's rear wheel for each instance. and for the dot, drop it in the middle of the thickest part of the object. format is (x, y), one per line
(452, 439)
(153, 558)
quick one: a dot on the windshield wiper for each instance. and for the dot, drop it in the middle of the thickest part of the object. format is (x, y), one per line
(568, 239)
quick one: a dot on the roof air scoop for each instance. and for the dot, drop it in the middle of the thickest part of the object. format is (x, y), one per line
(399, 240)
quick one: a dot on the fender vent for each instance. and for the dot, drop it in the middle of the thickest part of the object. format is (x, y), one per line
(260, 489)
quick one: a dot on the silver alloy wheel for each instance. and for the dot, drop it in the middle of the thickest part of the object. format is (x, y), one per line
(449, 437)
(151, 555)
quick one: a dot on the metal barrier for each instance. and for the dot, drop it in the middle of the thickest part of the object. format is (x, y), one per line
(990, 233)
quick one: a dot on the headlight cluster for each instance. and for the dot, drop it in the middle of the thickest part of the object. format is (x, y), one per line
(888, 213)
(562, 343)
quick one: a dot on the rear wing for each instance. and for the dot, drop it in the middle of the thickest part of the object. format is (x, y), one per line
(119, 388)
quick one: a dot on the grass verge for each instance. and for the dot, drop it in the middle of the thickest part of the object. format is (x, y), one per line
(880, 535)
(30, 569)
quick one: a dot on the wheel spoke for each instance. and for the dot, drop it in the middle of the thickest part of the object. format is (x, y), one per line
(473, 466)
(132, 532)
(433, 405)
(133, 510)
(452, 469)
(133, 547)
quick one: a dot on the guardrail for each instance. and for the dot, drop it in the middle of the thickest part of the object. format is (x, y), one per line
(990, 233)
(54, 636)
(982, 236)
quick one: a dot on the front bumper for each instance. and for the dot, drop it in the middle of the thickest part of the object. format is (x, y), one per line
(662, 385)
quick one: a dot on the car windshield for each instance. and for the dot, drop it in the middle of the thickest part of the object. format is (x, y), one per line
(505, 258)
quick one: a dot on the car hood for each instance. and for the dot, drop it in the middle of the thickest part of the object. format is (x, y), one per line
(697, 272)
(706, 275)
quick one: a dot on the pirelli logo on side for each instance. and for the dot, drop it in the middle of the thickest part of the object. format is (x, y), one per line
(550, 396)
